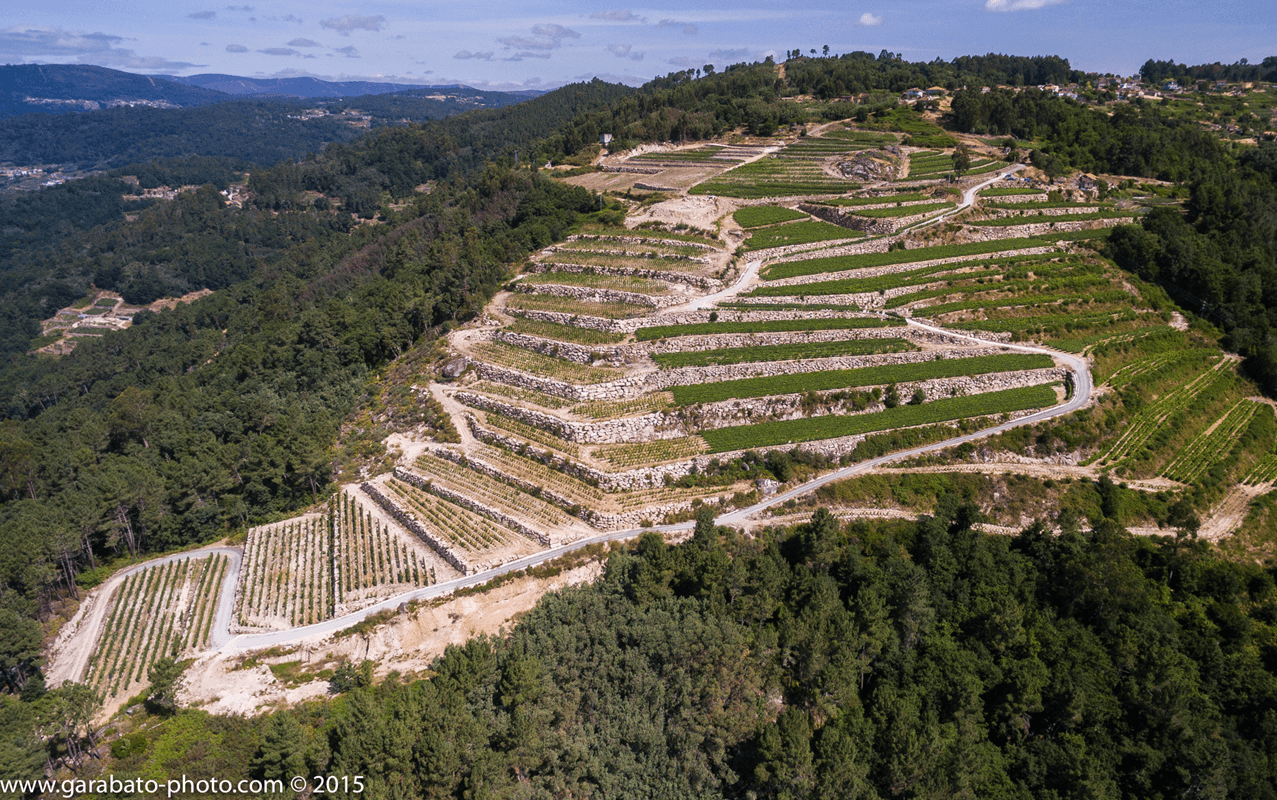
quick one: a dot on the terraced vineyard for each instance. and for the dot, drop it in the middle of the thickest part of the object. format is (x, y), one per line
(771, 434)
(796, 233)
(476, 536)
(854, 378)
(1212, 444)
(312, 568)
(1145, 423)
(492, 493)
(781, 352)
(642, 454)
(795, 170)
(156, 612)
(517, 358)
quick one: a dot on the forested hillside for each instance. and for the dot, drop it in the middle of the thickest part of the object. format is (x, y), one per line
(871, 661)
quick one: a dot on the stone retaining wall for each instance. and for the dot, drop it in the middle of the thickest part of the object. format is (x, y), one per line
(1041, 228)
(576, 237)
(406, 518)
(890, 269)
(1016, 198)
(682, 318)
(465, 501)
(591, 294)
(687, 376)
(698, 281)
(872, 225)
(1003, 213)
(633, 170)
(647, 427)
(787, 407)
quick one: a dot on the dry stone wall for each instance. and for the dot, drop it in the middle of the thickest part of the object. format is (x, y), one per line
(890, 269)
(663, 379)
(465, 501)
(1043, 228)
(872, 225)
(1047, 212)
(697, 281)
(709, 416)
(593, 295)
(647, 427)
(410, 522)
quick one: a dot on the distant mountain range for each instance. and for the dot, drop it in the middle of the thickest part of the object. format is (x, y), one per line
(312, 87)
(68, 88)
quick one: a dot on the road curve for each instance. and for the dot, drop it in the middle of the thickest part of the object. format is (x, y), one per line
(89, 629)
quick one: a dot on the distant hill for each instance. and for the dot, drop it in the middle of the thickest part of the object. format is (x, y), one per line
(297, 87)
(66, 88)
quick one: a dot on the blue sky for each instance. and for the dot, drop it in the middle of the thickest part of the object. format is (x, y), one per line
(544, 43)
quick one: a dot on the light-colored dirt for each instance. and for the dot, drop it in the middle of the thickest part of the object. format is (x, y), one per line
(1231, 511)
(408, 644)
(698, 211)
(1040, 470)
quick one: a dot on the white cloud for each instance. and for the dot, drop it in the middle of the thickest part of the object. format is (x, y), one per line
(868, 20)
(689, 28)
(1018, 5)
(239, 8)
(521, 56)
(354, 22)
(20, 43)
(620, 15)
(685, 62)
(731, 55)
(547, 36)
(279, 51)
(236, 48)
(477, 56)
(624, 51)
(301, 41)
(348, 51)
(203, 15)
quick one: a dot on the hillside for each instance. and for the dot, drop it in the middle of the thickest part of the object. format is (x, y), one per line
(67, 88)
(945, 445)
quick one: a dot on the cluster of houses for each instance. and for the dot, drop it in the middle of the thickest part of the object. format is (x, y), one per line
(1122, 88)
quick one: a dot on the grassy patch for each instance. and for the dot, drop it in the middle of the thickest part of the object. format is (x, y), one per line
(781, 352)
(758, 216)
(564, 333)
(805, 232)
(854, 378)
(766, 326)
(771, 434)
(815, 266)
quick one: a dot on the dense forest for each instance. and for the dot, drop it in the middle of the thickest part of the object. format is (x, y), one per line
(870, 660)
(1155, 71)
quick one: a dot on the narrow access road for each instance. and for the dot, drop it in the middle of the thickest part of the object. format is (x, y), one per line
(72, 656)
(1081, 396)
